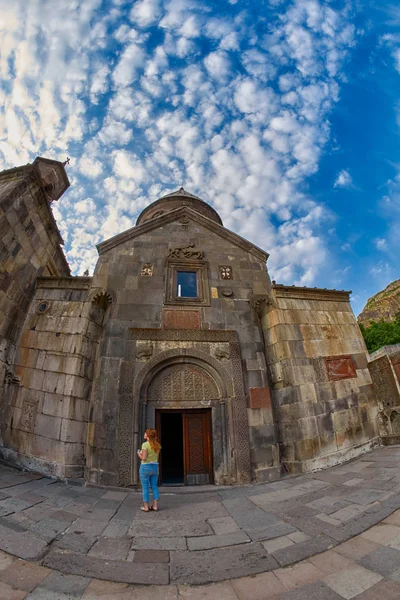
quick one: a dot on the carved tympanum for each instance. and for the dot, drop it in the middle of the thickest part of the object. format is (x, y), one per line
(186, 252)
(182, 383)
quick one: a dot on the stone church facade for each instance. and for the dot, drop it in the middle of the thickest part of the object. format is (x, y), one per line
(179, 328)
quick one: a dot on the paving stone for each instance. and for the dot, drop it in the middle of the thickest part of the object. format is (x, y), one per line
(298, 575)
(114, 495)
(269, 533)
(222, 525)
(151, 556)
(9, 593)
(88, 527)
(117, 548)
(70, 585)
(218, 591)
(384, 560)
(111, 570)
(351, 582)
(349, 513)
(382, 534)
(217, 541)
(365, 496)
(393, 519)
(24, 545)
(5, 560)
(48, 529)
(116, 529)
(219, 564)
(297, 552)
(356, 548)
(353, 482)
(167, 543)
(24, 575)
(107, 590)
(63, 515)
(257, 587)
(328, 504)
(393, 501)
(75, 542)
(169, 528)
(11, 524)
(330, 562)
(248, 517)
(298, 536)
(313, 591)
(277, 544)
(385, 590)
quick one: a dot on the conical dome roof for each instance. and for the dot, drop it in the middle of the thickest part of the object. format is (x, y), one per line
(175, 200)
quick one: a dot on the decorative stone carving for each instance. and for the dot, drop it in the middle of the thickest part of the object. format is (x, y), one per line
(186, 252)
(102, 298)
(11, 378)
(147, 270)
(144, 352)
(182, 383)
(225, 272)
(28, 415)
(222, 353)
(227, 292)
(260, 303)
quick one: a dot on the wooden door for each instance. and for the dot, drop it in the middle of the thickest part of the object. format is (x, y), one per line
(197, 447)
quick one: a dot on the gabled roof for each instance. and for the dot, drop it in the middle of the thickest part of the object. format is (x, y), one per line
(174, 215)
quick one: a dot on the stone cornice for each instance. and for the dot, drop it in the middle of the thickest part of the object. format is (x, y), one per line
(68, 283)
(292, 291)
(174, 215)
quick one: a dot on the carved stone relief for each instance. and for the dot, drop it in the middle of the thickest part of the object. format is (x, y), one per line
(179, 383)
(186, 252)
(28, 415)
(225, 272)
(188, 373)
(147, 270)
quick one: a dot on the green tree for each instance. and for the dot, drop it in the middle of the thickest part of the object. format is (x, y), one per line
(381, 333)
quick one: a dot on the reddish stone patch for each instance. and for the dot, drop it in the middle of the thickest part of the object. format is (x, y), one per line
(340, 367)
(260, 398)
(181, 319)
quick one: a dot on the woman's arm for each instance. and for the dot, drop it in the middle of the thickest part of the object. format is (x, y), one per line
(142, 454)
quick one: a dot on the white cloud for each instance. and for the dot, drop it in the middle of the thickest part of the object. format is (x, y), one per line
(145, 12)
(343, 179)
(148, 95)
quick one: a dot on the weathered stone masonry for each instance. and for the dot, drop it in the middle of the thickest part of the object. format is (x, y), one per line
(89, 362)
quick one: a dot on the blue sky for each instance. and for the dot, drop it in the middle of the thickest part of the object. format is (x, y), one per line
(284, 115)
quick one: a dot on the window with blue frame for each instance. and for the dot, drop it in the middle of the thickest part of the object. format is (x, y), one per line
(186, 284)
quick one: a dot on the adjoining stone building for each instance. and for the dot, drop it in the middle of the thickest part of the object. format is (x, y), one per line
(180, 328)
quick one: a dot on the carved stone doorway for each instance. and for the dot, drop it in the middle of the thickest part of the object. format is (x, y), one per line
(185, 436)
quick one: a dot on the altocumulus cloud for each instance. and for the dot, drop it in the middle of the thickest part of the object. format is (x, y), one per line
(231, 100)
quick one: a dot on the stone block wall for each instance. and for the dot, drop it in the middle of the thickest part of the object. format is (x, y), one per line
(139, 301)
(29, 247)
(45, 425)
(322, 387)
(384, 366)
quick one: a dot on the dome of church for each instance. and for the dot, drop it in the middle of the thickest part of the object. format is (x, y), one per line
(175, 200)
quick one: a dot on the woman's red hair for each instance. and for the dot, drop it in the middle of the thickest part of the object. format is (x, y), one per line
(152, 439)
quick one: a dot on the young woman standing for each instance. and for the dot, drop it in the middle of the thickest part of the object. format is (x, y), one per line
(149, 469)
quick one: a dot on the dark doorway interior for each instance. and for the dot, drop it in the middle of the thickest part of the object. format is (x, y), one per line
(172, 470)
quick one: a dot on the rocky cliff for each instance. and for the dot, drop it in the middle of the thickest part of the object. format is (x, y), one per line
(384, 305)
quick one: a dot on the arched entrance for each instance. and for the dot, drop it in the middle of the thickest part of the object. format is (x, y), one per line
(182, 396)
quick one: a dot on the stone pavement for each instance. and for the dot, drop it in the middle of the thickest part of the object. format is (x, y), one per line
(324, 536)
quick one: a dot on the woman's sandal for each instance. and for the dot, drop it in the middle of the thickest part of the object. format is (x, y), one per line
(146, 509)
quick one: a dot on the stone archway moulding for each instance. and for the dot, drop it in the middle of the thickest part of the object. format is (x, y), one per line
(228, 378)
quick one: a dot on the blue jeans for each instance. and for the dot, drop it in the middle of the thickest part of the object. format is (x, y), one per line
(149, 477)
